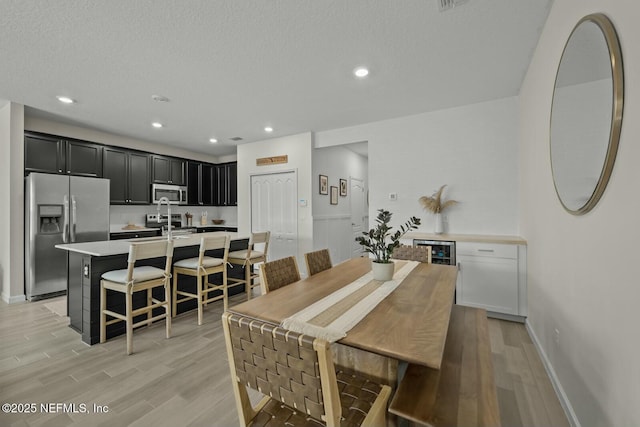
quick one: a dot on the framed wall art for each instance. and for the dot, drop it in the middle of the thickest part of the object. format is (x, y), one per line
(343, 187)
(324, 184)
(334, 195)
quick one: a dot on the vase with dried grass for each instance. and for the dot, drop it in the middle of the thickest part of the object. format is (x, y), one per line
(435, 204)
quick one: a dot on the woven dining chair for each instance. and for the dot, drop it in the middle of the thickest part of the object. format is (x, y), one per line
(278, 273)
(413, 253)
(317, 261)
(296, 374)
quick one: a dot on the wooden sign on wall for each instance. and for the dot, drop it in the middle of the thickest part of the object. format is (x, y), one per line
(274, 160)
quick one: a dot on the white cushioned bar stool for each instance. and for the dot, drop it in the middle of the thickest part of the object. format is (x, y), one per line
(134, 279)
(248, 258)
(201, 267)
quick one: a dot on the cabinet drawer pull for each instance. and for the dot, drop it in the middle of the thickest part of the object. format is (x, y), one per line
(485, 250)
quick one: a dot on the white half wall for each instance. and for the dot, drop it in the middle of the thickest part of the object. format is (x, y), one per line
(298, 149)
(12, 208)
(582, 278)
(473, 149)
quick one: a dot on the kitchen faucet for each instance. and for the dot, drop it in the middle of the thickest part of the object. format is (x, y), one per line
(166, 200)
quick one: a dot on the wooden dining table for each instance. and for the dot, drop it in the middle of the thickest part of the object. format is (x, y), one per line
(409, 325)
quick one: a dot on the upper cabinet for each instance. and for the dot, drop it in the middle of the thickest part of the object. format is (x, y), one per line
(51, 154)
(199, 183)
(226, 184)
(129, 172)
(168, 170)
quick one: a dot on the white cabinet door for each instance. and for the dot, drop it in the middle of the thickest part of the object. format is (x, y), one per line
(488, 281)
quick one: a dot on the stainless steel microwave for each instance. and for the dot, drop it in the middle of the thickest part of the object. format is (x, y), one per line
(176, 194)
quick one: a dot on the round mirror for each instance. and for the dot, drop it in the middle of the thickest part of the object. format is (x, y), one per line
(586, 114)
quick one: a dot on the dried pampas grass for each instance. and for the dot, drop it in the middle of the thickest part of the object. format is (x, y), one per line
(434, 203)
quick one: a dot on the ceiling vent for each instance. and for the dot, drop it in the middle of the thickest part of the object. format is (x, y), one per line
(449, 4)
(236, 139)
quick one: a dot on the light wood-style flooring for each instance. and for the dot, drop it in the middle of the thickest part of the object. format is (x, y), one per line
(184, 381)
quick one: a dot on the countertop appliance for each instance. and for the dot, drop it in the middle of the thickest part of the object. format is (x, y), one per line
(60, 209)
(176, 224)
(442, 251)
(176, 194)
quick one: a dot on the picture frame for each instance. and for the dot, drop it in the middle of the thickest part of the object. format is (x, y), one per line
(343, 188)
(334, 195)
(323, 184)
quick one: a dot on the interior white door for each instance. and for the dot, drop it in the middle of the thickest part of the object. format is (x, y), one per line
(274, 208)
(358, 214)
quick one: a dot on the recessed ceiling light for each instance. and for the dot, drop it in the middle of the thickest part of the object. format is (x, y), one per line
(65, 99)
(213, 140)
(268, 129)
(361, 72)
(156, 125)
(160, 98)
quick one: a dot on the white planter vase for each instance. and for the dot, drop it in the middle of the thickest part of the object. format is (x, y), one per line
(382, 271)
(438, 227)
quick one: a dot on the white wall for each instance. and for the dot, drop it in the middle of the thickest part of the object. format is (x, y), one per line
(12, 206)
(582, 277)
(473, 149)
(298, 148)
(332, 223)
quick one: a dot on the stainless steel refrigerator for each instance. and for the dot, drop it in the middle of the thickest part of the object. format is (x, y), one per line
(60, 209)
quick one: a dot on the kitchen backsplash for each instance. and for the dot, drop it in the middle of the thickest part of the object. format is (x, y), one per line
(123, 215)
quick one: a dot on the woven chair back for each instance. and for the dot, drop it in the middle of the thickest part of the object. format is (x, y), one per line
(279, 273)
(413, 253)
(317, 261)
(277, 362)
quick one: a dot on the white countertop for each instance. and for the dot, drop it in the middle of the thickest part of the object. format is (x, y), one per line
(120, 247)
(481, 238)
(214, 225)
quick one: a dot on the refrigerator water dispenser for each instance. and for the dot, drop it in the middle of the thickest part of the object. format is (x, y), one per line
(49, 218)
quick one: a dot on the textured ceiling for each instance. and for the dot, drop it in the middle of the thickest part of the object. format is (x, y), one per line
(232, 67)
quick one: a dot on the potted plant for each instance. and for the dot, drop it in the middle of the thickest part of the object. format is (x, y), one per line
(380, 242)
(436, 205)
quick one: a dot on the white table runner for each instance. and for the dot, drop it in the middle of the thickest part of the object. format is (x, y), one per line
(333, 316)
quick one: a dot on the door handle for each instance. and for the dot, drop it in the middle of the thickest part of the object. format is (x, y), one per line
(74, 213)
(65, 226)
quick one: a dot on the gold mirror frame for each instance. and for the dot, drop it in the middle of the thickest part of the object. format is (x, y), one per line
(617, 75)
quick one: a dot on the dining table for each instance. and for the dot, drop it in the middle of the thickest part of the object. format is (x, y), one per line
(409, 325)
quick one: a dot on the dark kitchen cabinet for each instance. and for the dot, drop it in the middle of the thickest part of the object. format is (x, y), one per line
(199, 184)
(226, 184)
(129, 172)
(168, 170)
(52, 154)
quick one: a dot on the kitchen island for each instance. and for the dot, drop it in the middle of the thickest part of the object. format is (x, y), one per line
(89, 260)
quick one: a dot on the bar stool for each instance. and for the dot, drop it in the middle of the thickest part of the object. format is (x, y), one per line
(247, 258)
(202, 267)
(134, 279)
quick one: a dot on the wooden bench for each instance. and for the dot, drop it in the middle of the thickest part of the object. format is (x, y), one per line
(463, 391)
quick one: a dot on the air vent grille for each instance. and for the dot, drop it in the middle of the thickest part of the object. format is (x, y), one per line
(449, 4)
(236, 139)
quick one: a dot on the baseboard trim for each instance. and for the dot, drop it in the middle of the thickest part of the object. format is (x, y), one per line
(562, 396)
(504, 316)
(13, 299)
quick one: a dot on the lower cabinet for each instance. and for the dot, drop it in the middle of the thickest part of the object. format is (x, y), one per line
(492, 276)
